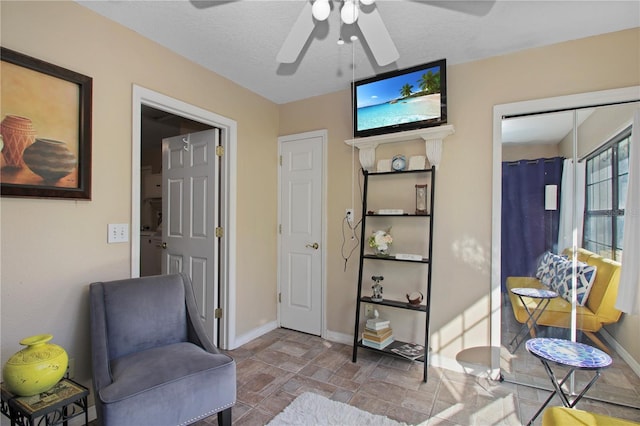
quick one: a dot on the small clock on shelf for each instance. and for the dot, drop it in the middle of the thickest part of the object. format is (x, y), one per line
(398, 163)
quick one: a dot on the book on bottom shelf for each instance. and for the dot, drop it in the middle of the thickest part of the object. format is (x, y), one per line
(377, 335)
(377, 345)
(377, 324)
(409, 350)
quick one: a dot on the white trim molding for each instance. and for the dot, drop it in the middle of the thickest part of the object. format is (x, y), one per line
(229, 139)
(432, 136)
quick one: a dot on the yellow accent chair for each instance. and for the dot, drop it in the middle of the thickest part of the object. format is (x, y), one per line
(561, 416)
(599, 309)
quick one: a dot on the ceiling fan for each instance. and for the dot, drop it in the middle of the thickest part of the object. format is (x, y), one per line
(362, 13)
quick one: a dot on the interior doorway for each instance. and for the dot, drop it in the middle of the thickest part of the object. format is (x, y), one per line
(301, 257)
(166, 109)
(156, 125)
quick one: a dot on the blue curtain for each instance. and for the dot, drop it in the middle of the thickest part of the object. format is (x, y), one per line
(528, 230)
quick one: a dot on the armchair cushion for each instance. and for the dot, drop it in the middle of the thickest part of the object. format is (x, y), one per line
(561, 416)
(150, 370)
(149, 314)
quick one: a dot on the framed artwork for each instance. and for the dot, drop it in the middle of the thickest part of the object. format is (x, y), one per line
(45, 125)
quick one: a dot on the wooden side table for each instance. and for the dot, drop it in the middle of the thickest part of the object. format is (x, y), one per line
(66, 400)
(576, 356)
(531, 325)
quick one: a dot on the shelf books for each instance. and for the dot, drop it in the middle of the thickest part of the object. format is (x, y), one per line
(377, 336)
(409, 350)
(376, 324)
(377, 345)
(378, 339)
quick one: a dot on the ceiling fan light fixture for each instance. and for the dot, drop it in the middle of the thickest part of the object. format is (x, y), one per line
(367, 2)
(321, 9)
(349, 12)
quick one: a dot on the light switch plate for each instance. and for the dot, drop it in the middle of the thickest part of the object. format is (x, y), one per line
(118, 233)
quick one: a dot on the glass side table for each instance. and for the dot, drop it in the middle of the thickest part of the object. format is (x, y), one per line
(531, 325)
(66, 400)
(576, 356)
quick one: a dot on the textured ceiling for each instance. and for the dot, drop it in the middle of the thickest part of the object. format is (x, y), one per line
(549, 128)
(240, 39)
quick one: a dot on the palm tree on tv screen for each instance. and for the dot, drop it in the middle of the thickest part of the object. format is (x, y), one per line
(430, 82)
(405, 91)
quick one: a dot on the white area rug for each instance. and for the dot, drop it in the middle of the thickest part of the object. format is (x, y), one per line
(312, 409)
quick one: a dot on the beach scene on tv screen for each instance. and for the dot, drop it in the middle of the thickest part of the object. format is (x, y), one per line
(397, 100)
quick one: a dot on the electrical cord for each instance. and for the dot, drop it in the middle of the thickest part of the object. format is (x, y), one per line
(352, 229)
(353, 237)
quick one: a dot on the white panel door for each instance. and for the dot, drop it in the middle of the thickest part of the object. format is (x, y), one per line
(301, 280)
(189, 210)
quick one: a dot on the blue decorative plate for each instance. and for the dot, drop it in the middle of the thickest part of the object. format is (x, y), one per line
(566, 352)
(534, 292)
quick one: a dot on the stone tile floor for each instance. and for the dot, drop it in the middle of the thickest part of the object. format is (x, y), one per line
(282, 364)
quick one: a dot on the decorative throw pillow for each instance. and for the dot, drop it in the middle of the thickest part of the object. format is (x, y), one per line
(585, 276)
(546, 271)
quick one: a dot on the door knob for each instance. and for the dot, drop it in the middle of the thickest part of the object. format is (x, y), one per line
(313, 246)
(164, 245)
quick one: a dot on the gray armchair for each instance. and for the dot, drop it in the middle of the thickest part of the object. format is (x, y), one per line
(152, 361)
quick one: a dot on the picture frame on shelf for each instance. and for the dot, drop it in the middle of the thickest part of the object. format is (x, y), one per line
(46, 129)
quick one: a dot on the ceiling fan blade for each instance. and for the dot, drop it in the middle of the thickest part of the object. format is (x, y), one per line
(377, 37)
(297, 37)
(476, 8)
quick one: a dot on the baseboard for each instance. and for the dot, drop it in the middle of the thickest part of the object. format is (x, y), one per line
(334, 336)
(254, 334)
(435, 360)
(626, 356)
(467, 368)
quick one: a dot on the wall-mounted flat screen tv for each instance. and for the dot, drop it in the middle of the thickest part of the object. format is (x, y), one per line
(401, 100)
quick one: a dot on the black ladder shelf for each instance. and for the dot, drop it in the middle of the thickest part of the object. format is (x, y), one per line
(427, 261)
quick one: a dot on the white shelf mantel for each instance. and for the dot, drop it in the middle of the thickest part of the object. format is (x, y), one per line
(432, 136)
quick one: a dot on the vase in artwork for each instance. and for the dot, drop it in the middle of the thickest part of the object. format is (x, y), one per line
(36, 368)
(50, 159)
(17, 134)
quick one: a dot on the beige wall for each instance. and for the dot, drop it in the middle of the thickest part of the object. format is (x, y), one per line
(602, 125)
(52, 249)
(462, 247)
(528, 152)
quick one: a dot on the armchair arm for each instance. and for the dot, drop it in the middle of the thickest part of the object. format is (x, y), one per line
(195, 330)
(99, 345)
